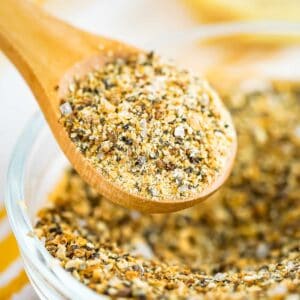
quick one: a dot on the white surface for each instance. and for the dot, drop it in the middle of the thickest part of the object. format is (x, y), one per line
(139, 22)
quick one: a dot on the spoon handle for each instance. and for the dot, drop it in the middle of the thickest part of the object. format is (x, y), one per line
(40, 46)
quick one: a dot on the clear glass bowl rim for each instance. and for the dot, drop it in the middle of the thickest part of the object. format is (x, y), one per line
(14, 189)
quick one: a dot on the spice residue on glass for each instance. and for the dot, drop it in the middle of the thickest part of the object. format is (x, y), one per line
(155, 130)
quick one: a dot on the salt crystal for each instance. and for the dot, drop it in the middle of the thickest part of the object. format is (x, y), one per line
(220, 277)
(114, 281)
(141, 160)
(154, 192)
(290, 266)
(74, 263)
(66, 109)
(178, 174)
(61, 251)
(211, 285)
(204, 100)
(194, 153)
(139, 283)
(262, 251)
(100, 155)
(183, 188)
(90, 245)
(72, 87)
(142, 248)
(179, 131)
(122, 265)
(250, 278)
(143, 124)
(103, 256)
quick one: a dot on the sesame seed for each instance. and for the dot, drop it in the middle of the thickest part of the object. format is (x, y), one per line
(179, 131)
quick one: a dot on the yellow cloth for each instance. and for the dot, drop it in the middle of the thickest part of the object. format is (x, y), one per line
(13, 278)
(210, 11)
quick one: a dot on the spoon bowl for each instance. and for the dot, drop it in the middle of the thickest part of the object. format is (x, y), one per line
(49, 53)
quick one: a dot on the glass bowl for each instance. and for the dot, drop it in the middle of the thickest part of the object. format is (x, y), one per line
(224, 53)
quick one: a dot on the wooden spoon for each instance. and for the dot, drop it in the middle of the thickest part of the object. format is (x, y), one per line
(48, 53)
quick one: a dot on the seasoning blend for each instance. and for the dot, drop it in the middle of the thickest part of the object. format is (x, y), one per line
(155, 130)
(244, 246)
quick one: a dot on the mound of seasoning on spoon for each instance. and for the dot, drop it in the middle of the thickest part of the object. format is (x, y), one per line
(154, 129)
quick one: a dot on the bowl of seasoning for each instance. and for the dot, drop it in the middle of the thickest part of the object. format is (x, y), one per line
(242, 243)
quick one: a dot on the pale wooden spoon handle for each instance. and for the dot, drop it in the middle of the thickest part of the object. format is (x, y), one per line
(39, 45)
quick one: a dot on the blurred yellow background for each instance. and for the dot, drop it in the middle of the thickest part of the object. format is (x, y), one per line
(209, 11)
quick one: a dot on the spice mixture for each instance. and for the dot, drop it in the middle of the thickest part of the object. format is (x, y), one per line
(244, 243)
(155, 130)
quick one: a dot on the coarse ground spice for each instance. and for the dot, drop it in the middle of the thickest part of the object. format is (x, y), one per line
(244, 243)
(155, 130)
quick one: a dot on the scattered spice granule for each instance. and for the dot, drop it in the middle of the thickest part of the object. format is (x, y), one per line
(244, 243)
(155, 130)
